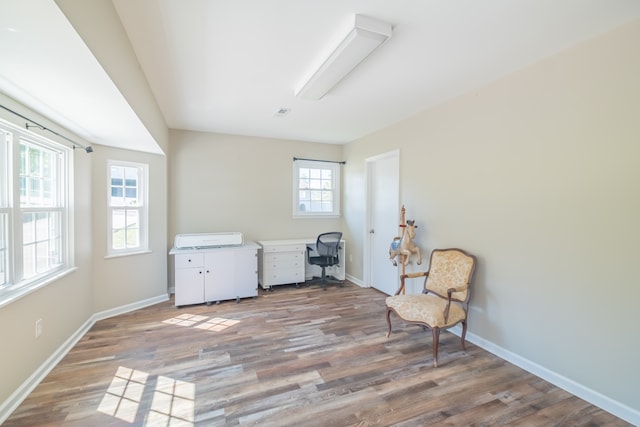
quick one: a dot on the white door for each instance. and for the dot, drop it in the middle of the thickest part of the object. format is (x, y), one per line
(383, 206)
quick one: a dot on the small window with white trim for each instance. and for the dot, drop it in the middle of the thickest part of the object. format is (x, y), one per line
(128, 215)
(316, 189)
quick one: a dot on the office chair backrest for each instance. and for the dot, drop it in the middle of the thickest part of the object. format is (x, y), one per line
(328, 244)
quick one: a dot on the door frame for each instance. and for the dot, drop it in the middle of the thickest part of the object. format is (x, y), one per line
(368, 240)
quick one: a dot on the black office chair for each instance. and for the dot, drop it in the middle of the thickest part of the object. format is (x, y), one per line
(326, 254)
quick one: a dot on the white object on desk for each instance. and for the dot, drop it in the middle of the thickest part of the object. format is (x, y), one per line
(214, 274)
(285, 261)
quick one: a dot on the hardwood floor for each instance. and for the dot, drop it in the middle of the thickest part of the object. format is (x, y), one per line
(291, 357)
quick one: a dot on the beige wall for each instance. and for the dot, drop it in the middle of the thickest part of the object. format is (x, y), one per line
(236, 183)
(98, 284)
(536, 174)
(118, 281)
(123, 280)
(63, 305)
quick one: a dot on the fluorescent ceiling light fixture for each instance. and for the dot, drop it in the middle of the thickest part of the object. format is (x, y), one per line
(366, 36)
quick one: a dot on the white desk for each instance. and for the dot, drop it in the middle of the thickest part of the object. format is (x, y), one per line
(285, 261)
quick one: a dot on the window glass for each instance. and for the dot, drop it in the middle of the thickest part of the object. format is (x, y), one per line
(316, 188)
(34, 226)
(127, 207)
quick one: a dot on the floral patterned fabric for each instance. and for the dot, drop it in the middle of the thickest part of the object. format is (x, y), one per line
(450, 269)
(427, 309)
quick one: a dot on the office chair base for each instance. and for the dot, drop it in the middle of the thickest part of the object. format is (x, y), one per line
(324, 281)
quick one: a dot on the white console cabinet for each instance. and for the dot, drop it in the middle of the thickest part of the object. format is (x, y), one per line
(285, 261)
(215, 274)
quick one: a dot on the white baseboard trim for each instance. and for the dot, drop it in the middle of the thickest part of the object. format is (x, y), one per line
(355, 281)
(8, 406)
(614, 407)
(129, 307)
(20, 394)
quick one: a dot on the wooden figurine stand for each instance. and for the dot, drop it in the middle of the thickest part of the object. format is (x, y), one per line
(403, 247)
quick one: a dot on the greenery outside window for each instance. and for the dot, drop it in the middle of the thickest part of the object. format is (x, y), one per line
(35, 231)
(128, 217)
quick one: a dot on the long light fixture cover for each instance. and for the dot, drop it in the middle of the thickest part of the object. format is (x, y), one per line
(366, 36)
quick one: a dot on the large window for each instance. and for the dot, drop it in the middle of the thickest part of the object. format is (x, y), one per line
(34, 209)
(316, 188)
(127, 207)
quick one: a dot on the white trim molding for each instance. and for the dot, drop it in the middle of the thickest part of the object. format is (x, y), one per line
(603, 402)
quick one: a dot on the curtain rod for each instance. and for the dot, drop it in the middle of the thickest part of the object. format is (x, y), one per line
(314, 160)
(75, 145)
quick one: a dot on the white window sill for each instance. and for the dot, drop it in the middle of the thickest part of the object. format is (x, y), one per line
(141, 252)
(316, 216)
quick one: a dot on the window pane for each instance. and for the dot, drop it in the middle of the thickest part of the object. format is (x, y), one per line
(131, 194)
(124, 186)
(33, 216)
(42, 242)
(133, 231)
(4, 255)
(131, 186)
(316, 189)
(38, 176)
(125, 233)
(118, 224)
(117, 187)
(5, 141)
(127, 209)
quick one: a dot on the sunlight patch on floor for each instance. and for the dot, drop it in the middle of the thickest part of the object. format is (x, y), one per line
(172, 402)
(215, 324)
(185, 320)
(124, 394)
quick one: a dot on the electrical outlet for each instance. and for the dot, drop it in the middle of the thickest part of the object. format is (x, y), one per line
(38, 328)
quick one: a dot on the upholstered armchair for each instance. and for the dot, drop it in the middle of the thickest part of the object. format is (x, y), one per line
(444, 300)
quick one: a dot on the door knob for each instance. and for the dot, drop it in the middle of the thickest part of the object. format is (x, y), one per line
(372, 231)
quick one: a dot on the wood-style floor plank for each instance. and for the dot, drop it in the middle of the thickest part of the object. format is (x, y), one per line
(291, 357)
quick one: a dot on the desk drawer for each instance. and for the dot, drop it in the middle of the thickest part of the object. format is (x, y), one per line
(283, 260)
(281, 277)
(189, 260)
(285, 248)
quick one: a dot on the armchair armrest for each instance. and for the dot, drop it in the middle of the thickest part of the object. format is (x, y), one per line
(449, 292)
(458, 289)
(410, 276)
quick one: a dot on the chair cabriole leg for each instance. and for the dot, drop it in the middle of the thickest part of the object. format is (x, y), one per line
(464, 333)
(389, 322)
(436, 338)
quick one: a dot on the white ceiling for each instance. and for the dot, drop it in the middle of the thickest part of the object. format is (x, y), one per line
(227, 66)
(46, 66)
